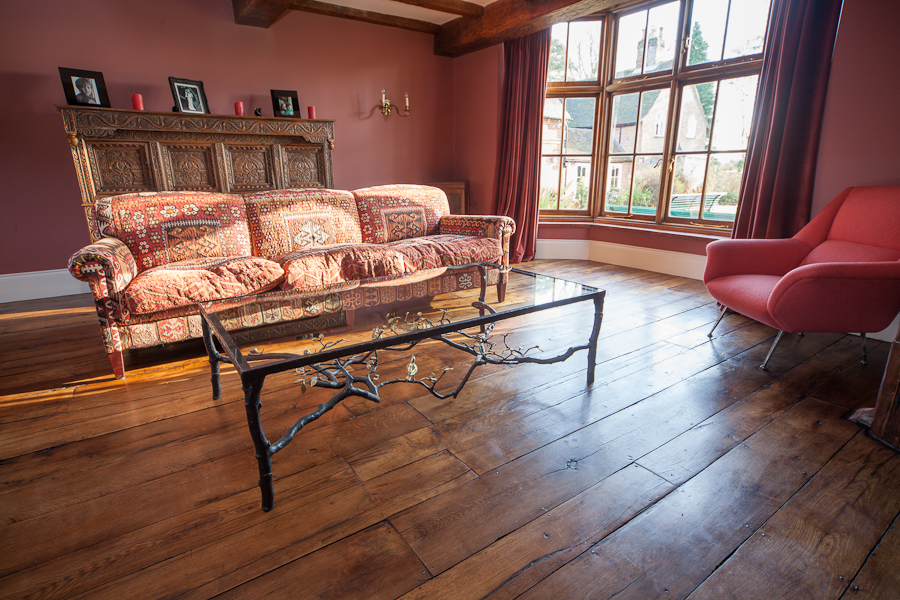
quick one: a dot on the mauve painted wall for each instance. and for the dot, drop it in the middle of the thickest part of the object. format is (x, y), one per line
(340, 66)
(477, 78)
(860, 142)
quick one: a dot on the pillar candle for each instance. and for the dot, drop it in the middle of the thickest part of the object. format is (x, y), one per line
(239, 109)
(312, 111)
(137, 101)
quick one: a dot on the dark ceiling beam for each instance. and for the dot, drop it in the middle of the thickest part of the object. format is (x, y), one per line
(507, 20)
(333, 10)
(259, 13)
(453, 7)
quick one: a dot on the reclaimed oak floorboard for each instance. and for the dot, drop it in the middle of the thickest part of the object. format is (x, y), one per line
(683, 471)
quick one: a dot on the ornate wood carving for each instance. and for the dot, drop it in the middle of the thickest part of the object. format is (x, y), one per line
(190, 167)
(252, 168)
(120, 168)
(120, 151)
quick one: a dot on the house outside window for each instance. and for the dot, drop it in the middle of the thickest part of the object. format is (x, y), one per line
(662, 94)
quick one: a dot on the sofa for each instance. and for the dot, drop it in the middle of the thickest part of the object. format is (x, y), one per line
(158, 255)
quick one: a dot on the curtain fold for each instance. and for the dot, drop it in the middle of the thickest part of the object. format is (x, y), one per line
(517, 184)
(778, 178)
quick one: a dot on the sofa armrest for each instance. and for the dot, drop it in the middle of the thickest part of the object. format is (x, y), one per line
(753, 257)
(860, 297)
(108, 267)
(489, 226)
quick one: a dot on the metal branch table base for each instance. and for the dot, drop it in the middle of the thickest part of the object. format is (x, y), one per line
(322, 358)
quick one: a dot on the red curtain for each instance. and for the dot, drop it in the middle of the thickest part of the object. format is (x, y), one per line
(519, 149)
(781, 161)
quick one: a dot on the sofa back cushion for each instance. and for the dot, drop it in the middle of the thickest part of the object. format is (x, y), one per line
(283, 221)
(869, 215)
(167, 227)
(389, 213)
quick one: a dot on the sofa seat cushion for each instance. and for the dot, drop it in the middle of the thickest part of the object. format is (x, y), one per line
(169, 227)
(389, 213)
(193, 281)
(746, 294)
(332, 266)
(437, 251)
(283, 221)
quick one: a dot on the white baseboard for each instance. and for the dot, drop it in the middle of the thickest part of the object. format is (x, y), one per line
(40, 284)
(659, 261)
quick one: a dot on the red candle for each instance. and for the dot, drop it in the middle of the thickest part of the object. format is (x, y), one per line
(239, 109)
(312, 111)
(137, 101)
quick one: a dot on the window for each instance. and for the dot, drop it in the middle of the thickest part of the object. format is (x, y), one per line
(662, 95)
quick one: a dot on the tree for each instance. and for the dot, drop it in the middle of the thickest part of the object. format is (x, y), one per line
(557, 71)
(698, 54)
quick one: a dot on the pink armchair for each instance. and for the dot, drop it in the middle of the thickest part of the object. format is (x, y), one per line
(839, 274)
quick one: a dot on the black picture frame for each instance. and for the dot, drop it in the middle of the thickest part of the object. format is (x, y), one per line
(84, 88)
(187, 94)
(279, 105)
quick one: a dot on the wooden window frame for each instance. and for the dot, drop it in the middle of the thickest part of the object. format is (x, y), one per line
(607, 86)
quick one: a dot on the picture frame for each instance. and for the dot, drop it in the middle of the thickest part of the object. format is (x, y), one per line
(286, 104)
(189, 96)
(84, 88)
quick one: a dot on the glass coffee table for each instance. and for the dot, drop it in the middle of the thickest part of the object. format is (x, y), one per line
(334, 339)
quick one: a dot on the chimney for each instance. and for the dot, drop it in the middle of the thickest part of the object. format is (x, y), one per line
(640, 53)
(652, 44)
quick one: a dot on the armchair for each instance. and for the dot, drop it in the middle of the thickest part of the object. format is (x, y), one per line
(840, 273)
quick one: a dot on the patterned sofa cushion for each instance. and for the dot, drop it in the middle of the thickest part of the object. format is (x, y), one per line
(283, 221)
(447, 251)
(169, 227)
(200, 280)
(333, 266)
(396, 212)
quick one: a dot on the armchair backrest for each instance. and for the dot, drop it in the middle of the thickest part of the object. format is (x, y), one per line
(861, 225)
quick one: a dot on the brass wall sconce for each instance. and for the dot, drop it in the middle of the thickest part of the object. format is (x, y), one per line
(387, 106)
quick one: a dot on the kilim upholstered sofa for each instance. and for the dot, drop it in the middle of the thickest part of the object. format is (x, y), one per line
(160, 254)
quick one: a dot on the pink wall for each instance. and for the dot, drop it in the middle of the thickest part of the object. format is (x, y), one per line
(478, 79)
(860, 142)
(340, 66)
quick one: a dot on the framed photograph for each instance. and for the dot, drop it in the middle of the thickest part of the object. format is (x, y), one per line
(189, 96)
(84, 88)
(285, 104)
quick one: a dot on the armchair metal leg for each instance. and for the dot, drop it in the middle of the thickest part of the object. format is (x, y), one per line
(719, 320)
(772, 349)
(865, 359)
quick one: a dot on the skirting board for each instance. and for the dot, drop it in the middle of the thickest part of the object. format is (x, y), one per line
(40, 284)
(658, 261)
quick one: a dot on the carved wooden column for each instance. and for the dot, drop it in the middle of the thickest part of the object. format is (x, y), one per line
(886, 419)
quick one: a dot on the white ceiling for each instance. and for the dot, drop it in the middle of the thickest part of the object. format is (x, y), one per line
(398, 9)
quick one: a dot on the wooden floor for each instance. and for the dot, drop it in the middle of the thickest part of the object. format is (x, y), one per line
(683, 472)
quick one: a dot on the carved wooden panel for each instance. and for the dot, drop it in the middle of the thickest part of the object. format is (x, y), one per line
(119, 168)
(303, 167)
(120, 151)
(252, 168)
(189, 167)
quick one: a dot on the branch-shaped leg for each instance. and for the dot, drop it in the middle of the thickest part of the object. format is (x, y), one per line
(252, 405)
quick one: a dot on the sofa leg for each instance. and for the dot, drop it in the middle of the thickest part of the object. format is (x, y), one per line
(118, 364)
(865, 358)
(719, 320)
(771, 350)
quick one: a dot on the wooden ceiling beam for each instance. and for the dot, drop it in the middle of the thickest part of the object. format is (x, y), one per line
(259, 13)
(333, 10)
(453, 7)
(507, 20)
